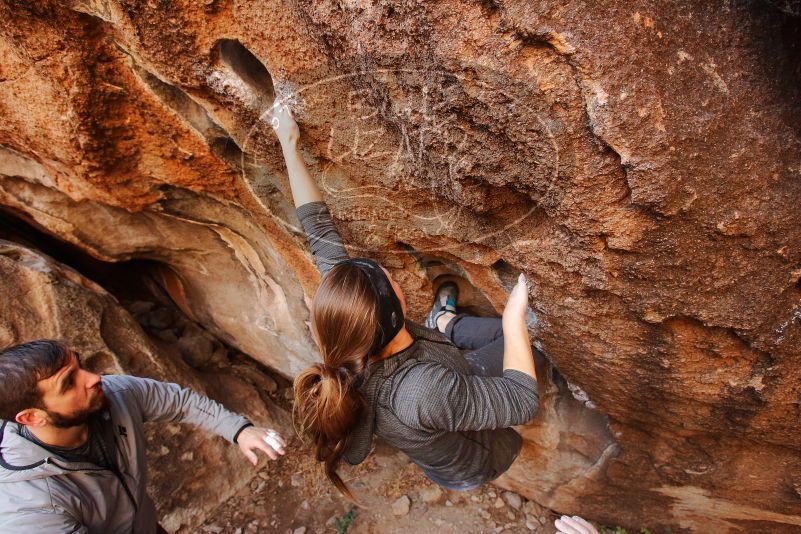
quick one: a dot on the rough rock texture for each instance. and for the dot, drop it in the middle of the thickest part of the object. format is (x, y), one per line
(190, 471)
(641, 162)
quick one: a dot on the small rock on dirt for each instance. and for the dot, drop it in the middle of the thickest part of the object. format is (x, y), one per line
(140, 306)
(401, 506)
(530, 507)
(219, 358)
(196, 350)
(384, 461)
(431, 495)
(166, 335)
(513, 499)
(160, 318)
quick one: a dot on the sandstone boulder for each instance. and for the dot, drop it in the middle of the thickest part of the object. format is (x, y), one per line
(640, 163)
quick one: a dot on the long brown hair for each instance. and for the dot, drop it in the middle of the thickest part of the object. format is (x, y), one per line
(344, 321)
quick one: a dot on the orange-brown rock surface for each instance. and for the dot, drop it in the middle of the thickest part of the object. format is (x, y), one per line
(639, 161)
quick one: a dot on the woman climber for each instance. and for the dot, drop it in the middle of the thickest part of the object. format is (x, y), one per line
(445, 395)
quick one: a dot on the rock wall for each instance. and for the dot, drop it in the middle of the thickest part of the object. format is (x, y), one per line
(640, 162)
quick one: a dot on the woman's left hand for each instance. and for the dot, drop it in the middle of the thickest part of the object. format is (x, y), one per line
(284, 124)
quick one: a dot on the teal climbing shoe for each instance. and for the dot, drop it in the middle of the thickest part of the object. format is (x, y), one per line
(444, 302)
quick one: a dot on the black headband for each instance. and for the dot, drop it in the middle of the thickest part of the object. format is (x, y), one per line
(390, 312)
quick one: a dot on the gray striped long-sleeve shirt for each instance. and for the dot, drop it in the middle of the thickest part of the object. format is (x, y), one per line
(425, 400)
(324, 240)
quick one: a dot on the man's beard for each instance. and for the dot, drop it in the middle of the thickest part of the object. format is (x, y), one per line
(78, 418)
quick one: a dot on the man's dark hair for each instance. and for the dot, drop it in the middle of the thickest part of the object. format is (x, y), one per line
(21, 367)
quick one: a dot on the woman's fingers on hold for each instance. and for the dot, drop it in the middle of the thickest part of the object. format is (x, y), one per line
(522, 286)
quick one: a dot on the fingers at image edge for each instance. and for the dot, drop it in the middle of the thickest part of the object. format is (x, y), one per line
(567, 526)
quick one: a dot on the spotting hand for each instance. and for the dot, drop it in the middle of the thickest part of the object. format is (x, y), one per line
(264, 439)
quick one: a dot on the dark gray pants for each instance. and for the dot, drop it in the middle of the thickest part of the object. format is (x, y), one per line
(483, 336)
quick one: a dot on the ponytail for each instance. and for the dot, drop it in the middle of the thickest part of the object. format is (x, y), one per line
(328, 404)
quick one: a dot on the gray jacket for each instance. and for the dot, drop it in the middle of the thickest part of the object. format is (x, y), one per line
(40, 492)
(426, 401)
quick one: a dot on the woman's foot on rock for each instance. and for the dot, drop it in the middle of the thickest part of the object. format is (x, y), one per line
(444, 308)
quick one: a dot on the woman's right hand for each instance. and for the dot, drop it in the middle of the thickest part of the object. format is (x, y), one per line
(284, 124)
(517, 304)
(517, 353)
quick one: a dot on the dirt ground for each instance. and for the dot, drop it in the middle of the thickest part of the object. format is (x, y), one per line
(292, 496)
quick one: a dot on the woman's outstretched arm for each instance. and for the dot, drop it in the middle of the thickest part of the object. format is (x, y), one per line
(324, 240)
(304, 188)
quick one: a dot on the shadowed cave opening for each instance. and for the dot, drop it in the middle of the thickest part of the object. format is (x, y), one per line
(439, 269)
(140, 285)
(254, 76)
(506, 274)
(220, 142)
